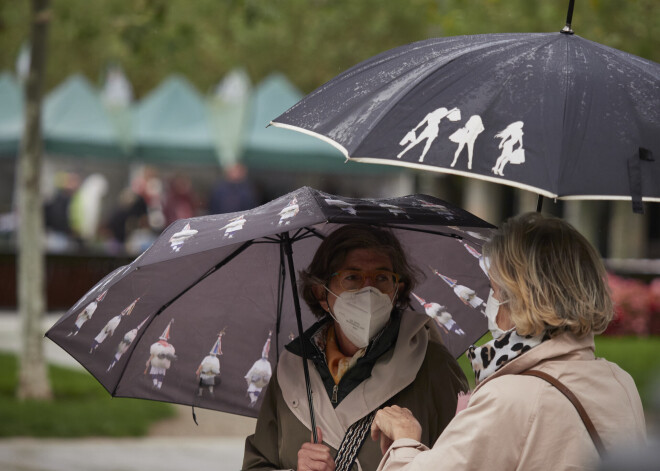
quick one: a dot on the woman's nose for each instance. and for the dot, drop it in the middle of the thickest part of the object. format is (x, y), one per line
(368, 281)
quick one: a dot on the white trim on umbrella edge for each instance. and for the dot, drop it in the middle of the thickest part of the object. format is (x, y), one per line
(433, 168)
(313, 134)
(502, 181)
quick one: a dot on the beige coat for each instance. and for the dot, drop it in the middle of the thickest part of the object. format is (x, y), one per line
(418, 373)
(516, 422)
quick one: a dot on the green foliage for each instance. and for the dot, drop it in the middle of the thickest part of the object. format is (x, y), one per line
(637, 355)
(310, 41)
(81, 408)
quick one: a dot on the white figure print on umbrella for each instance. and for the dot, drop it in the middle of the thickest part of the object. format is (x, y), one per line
(208, 371)
(259, 375)
(510, 136)
(466, 136)
(288, 212)
(177, 239)
(465, 294)
(161, 355)
(109, 328)
(87, 313)
(393, 209)
(440, 315)
(125, 342)
(430, 132)
(437, 208)
(341, 204)
(235, 224)
(476, 235)
(476, 254)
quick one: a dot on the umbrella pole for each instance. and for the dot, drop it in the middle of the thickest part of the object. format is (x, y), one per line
(296, 302)
(539, 203)
(569, 18)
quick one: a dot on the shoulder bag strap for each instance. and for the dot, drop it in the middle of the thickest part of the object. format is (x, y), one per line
(352, 442)
(593, 433)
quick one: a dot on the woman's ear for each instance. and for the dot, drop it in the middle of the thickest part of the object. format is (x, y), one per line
(321, 295)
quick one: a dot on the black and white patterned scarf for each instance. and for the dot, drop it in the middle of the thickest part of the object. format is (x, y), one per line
(491, 356)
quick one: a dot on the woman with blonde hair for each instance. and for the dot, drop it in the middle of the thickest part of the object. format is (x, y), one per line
(542, 399)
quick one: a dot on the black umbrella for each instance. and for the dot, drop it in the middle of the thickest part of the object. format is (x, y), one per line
(552, 113)
(201, 316)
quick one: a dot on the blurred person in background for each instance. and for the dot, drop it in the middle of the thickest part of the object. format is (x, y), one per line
(233, 192)
(59, 235)
(129, 214)
(180, 200)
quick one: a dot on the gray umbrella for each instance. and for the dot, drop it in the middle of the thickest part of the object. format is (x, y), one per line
(201, 316)
(552, 113)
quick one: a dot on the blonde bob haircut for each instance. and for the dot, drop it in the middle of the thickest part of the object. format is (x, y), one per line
(551, 276)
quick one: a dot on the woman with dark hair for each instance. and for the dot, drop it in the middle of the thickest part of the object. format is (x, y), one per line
(549, 299)
(367, 351)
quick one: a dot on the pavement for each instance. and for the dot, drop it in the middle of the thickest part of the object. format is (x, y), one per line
(172, 444)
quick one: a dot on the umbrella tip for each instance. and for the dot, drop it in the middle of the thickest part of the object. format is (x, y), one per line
(569, 19)
(567, 29)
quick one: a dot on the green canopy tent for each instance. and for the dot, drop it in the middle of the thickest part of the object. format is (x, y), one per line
(11, 115)
(171, 125)
(75, 122)
(270, 148)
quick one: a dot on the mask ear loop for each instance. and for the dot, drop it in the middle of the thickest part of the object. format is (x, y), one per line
(329, 310)
(396, 291)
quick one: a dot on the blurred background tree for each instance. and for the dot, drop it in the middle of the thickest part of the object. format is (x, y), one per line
(310, 41)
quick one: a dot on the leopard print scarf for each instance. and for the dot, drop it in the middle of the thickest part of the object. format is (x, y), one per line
(491, 356)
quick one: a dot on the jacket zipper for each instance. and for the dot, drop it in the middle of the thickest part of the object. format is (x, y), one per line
(334, 394)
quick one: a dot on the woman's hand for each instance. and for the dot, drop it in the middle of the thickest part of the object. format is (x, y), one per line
(392, 423)
(315, 456)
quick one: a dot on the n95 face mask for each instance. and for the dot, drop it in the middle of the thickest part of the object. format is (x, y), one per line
(362, 314)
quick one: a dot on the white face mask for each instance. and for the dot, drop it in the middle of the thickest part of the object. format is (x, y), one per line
(362, 314)
(492, 308)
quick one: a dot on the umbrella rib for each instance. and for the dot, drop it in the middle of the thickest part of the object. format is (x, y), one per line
(426, 231)
(213, 269)
(267, 240)
(315, 232)
(280, 300)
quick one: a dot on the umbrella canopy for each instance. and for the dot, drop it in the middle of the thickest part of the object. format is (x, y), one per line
(274, 149)
(171, 124)
(76, 122)
(551, 113)
(210, 302)
(11, 115)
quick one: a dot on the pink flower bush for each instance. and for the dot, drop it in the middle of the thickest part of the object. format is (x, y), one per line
(636, 307)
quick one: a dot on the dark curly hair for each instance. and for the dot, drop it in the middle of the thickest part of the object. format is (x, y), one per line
(333, 251)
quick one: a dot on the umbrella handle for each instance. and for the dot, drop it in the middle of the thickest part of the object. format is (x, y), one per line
(288, 249)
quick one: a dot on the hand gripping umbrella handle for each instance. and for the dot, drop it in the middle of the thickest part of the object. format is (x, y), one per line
(288, 249)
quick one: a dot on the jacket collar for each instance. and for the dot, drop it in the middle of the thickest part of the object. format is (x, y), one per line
(381, 343)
